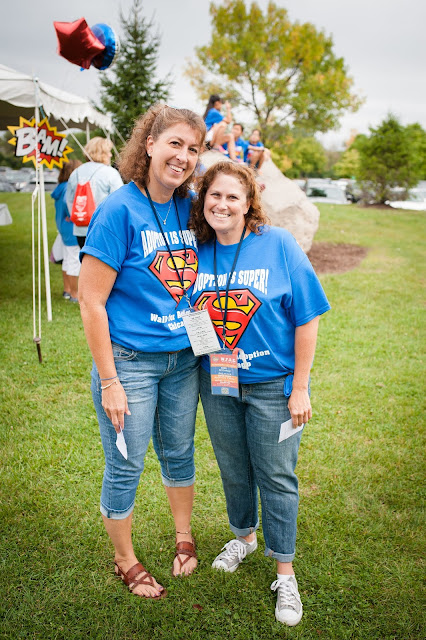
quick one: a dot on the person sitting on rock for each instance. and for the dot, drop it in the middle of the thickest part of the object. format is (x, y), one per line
(240, 144)
(256, 153)
(216, 125)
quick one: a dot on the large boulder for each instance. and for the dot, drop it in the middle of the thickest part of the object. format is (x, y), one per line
(284, 201)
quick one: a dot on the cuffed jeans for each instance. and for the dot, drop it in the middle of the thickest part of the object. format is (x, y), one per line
(244, 432)
(162, 394)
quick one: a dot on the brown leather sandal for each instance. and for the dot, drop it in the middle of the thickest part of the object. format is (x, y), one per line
(184, 548)
(131, 581)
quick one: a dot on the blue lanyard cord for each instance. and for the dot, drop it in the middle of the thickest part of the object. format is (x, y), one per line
(234, 264)
(181, 280)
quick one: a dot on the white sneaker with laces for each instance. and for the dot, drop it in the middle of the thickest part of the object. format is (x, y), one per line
(233, 553)
(289, 609)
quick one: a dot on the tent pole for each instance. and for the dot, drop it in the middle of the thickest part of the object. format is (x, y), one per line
(45, 246)
(42, 197)
(87, 132)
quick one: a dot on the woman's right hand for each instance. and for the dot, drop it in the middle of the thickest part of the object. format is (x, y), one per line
(114, 403)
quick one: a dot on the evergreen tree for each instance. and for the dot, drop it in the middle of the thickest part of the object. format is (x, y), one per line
(131, 88)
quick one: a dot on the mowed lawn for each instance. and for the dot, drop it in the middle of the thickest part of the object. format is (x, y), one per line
(361, 468)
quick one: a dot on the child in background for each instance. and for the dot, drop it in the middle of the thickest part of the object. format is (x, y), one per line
(256, 153)
(71, 262)
(240, 144)
(216, 125)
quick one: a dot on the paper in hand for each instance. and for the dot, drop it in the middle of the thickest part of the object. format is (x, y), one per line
(288, 430)
(121, 444)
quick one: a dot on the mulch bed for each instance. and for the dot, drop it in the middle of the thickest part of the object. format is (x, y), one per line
(327, 257)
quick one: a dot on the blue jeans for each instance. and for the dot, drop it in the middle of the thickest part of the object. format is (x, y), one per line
(244, 432)
(162, 393)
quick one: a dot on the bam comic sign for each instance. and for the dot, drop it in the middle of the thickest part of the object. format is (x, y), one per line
(52, 146)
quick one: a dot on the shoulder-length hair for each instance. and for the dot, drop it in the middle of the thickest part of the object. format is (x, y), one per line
(212, 101)
(98, 150)
(67, 170)
(255, 218)
(134, 161)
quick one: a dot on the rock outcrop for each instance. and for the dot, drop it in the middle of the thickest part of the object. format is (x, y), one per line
(285, 203)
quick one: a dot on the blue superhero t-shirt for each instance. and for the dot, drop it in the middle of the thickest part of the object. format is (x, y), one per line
(273, 290)
(145, 304)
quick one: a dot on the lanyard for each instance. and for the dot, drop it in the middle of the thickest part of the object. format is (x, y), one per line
(181, 279)
(225, 312)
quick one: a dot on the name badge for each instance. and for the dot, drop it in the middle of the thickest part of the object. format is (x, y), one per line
(224, 373)
(202, 336)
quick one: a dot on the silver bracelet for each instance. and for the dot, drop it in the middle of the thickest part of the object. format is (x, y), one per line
(109, 385)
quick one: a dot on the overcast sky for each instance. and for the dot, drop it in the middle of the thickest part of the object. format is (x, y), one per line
(381, 41)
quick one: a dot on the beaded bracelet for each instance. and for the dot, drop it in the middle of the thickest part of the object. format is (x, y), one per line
(109, 385)
(111, 378)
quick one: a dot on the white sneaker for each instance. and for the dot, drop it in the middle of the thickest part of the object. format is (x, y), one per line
(233, 553)
(289, 609)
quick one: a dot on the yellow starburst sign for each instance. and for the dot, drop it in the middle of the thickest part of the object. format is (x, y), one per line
(52, 146)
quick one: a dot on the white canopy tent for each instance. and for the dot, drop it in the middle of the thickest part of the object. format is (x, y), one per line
(20, 94)
(26, 96)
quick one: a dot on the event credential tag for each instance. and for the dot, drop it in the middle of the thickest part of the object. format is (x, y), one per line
(201, 333)
(224, 373)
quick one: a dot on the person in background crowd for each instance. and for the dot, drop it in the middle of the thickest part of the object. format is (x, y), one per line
(265, 300)
(240, 143)
(138, 264)
(70, 262)
(103, 178)
(216, 125)
(255, 152)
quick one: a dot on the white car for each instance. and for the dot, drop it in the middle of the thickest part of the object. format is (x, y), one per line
(416, 201)
(327, 193)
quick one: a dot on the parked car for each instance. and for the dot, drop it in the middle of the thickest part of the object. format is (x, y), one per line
(326, 192)
(19, 178)
(416, 200)
(5, 186)
(50, 181)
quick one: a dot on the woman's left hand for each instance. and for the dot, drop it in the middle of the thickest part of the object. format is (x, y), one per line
(299, 405)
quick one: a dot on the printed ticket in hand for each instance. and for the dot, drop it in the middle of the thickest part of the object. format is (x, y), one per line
(288, 430)
(201, 333)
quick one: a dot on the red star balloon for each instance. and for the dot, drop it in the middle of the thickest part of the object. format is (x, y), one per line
(77, 43)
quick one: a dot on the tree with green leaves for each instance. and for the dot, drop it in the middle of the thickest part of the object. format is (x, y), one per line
(348, 165)
(131, 86)
(388, 158)
(286, 73)
(300, 156)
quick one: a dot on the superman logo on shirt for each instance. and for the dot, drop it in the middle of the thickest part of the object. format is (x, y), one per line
(242, 305)
(186, 262)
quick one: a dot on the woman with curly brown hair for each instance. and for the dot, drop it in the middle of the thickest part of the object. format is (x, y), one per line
(139, 263)
(264, 300)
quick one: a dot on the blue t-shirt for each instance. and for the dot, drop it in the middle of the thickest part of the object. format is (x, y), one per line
(63, 225)
(273, 290)
(145, 304)
(240, 148)
(212, 117)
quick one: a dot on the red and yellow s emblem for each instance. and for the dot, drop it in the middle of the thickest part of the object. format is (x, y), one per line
(186, 263)
(242, 305)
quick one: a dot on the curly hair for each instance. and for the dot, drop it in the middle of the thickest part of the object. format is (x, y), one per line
(134, 161)
(98, 149)
(67, 170)
(256, 218)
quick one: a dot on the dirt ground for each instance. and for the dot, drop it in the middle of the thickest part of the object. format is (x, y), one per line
(327, 257)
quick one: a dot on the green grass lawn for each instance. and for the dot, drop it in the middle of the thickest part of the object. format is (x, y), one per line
(361, 468)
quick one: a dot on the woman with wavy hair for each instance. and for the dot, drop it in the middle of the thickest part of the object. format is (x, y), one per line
(138, 266)
(264, 300)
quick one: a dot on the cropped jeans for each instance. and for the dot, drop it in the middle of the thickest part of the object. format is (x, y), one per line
(162, 394)
(244, 432)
